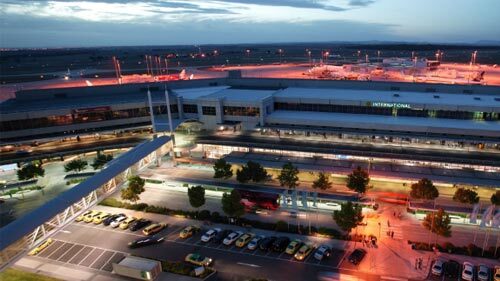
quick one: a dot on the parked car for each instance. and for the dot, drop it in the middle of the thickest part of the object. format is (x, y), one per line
(357, 256)
(280, 244)
(303, 252)
(84, 215)
(232, 237)
(255, 242)
(117, 221)
(266, 243)
(40, 247)
(138, 224)
(468, 271)
(110, 219)
(437, 268)
(127, 222)
(293, 246)
(210, 234)
(219, 238)
(198, 259)
(483, 273)
(323, 252)
(188, 231)
(90, 217)
(244, 239)
(99, 218)
(451, 269)
(497, 273)
(154, 228)
(145, 241)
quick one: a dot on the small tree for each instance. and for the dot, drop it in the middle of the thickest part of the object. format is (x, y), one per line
(101, 160)
(251, 171)
(288, 176)
(30, 171)
(134, 189)
(424, 189)
(438, 223)
(322, 182)
(358, 180)
(349, 216)
(222, 169)
(465, 196)
(75, 165)
(495, 198)
(196, 196)
(231, 204)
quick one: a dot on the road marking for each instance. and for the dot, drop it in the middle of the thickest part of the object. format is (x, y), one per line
(96, 259)
(342, 259)
(114, 253)
(86, 256)
(248, 264)
(65, 231)
(393, 278)
(62, 255)
(63, 243)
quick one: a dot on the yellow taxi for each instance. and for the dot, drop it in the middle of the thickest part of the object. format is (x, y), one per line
(188, 231)
(303, 252)
(99, 218)
(244, 239)
(127, 222)
(83, 215)
(154, 228)
(293, 246)
(40, 247)
(90, 217)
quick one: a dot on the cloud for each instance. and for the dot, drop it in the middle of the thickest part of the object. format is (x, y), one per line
(361, 3)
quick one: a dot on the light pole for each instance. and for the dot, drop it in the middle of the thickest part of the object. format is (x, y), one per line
(309, 54)
(280, 51)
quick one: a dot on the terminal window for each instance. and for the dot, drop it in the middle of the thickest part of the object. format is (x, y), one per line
(208, 110)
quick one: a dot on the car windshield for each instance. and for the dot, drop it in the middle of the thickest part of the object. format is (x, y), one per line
(468, 272)
(437, 266)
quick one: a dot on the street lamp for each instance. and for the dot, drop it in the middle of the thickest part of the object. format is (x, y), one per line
(309, 54)
(248, 52)
(280, 51)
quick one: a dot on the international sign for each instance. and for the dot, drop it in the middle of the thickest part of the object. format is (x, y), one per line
(391, 104)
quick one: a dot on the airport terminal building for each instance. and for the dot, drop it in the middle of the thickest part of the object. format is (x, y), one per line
(421, 111)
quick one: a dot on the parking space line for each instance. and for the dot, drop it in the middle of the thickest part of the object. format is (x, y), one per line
(342, 259)
(96, 259)
(63, 246)
(77, 253)
(114, 231)
(114, 253)
(91, 251)
(63, 254)
(62, 243)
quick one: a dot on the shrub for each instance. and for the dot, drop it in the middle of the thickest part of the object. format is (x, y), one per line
(282, 226)
(215, 217)
(449, 247)
(204, 215)
(177, 267)
(333, 233)
(185, 185)
(153, 181)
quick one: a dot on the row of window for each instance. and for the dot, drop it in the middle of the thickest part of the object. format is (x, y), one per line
(78, 117)
(353, 109)
(241, 111)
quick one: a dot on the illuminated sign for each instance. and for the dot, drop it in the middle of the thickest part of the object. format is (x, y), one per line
(391, 104)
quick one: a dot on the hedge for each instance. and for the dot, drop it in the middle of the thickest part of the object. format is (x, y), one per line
(215, 217)
(469, 250)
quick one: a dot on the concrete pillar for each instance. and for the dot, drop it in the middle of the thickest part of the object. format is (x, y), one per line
(219, 111)
(180, 102)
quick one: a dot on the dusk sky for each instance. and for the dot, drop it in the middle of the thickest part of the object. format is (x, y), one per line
(61, 23)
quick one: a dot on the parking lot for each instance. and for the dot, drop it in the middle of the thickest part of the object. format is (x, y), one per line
(96, 247)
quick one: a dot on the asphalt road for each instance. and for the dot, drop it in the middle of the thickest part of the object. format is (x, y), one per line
(95, 246)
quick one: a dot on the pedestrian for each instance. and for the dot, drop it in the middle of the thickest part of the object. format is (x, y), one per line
(388, 223)
(416, 263)
(394, 214)
(420, 260)
(392, 234)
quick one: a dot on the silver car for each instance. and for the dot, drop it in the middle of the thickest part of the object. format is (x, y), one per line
(483, 273)
(252, 245)
(437, 268)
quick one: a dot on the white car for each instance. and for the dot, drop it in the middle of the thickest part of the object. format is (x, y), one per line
(468, 271)
(324, 251)
(252, 245)
(483, 273)
(115, 223)
(497, 273)
(210, 234)
(437, 268)
(232, 237)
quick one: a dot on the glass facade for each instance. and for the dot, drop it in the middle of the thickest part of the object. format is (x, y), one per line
(241, 111)
(82, 116)
(208, 110)
(353, 109)
(190, 108)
